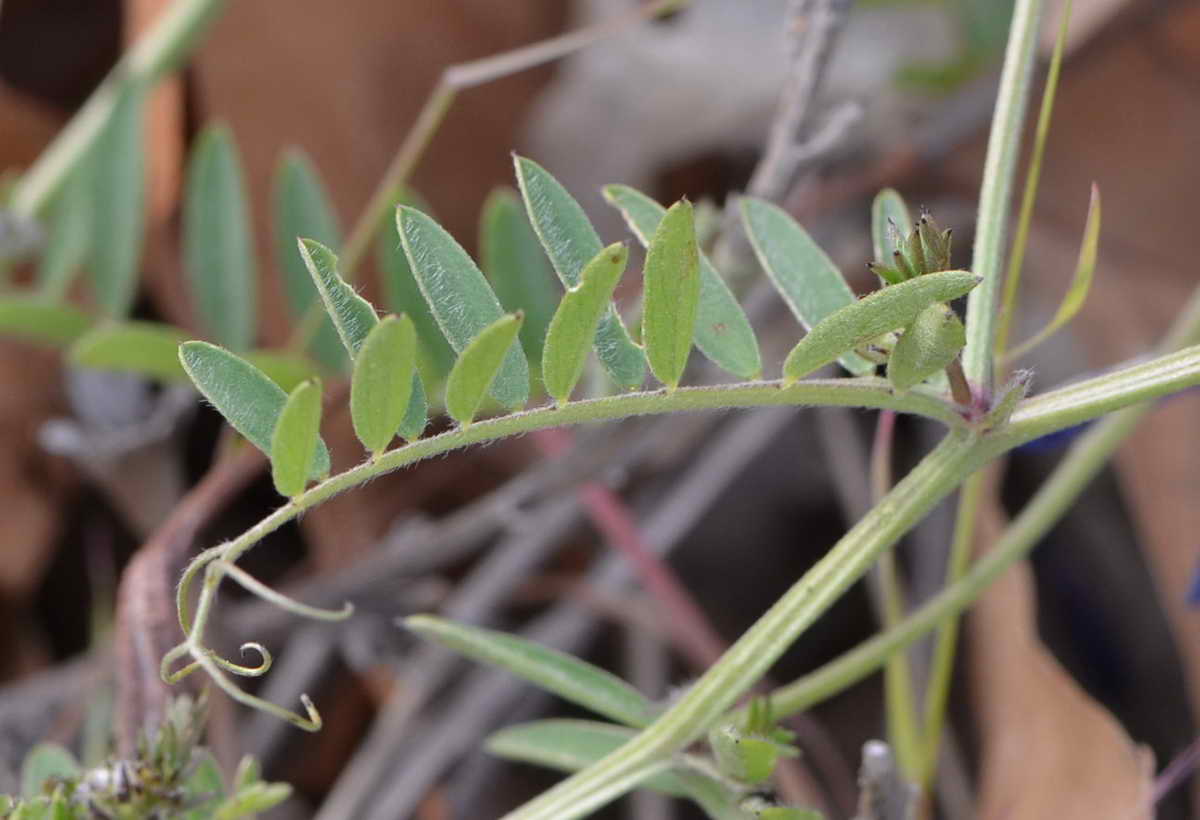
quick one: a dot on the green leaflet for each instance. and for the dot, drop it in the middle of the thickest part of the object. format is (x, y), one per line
(301, 208)
(147, 348)
(513, 261)
(1081, 283)
(294, 440)
(803, 274)
(931, 342)
(564, 675)
(672, 293)
(118, 199)
(574, 324)
(218, 250)
(894, 307)
(401, 294)
(478, 366)
(352, 315)
(887, 210)
(742, 756)
(383, 382)
(571, 745)
(242, 393)
(723, 333)
(285, 369)
(252, 799)
(459, 298)
(36, 320)
(204, 787)
(45, 761)
(417, 414)
(248, 772)
(571, 242)
(70, 235)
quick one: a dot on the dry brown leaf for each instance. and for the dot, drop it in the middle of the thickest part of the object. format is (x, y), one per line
(1049, 752)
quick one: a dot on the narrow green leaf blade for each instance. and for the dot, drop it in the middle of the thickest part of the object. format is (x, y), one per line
(723, 333)
(218, 250)
(478, 367)
(1081, 283)
(301, 208)
(571, 242)
(402, 294)
(242, 393)
(382, 385)
(891, 308)
(118, 197)
(931, 342)
(459, 298)
(513, 261)
(574, 324)
(251, 800)
(294, 440)
(888, 205)
(570, 745)
(564, 675)
(70, 235)
(804, 275)
(149, 349)
(352, 315)
(35, 320)
(672, 294)
(45, 761)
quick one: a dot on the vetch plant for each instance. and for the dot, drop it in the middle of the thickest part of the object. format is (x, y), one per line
(503, 354)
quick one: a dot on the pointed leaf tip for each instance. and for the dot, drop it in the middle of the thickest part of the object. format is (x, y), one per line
(352, 315)
(672, 293)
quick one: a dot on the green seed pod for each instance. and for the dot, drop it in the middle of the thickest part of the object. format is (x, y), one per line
(929, 344)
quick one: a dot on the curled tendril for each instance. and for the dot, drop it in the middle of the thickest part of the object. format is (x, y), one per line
(253, 585)
(310, 723)
(245, 671)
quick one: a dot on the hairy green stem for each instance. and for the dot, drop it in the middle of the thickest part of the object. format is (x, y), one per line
(942, 666)
(173, 36)
(996, 192)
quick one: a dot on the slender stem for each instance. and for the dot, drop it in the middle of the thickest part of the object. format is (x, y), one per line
(898, 689)
(960, 388)
(749, 658)
(162, 48)
(1012, 281)
(996, 190)
(1083, 461)
(942, 667)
